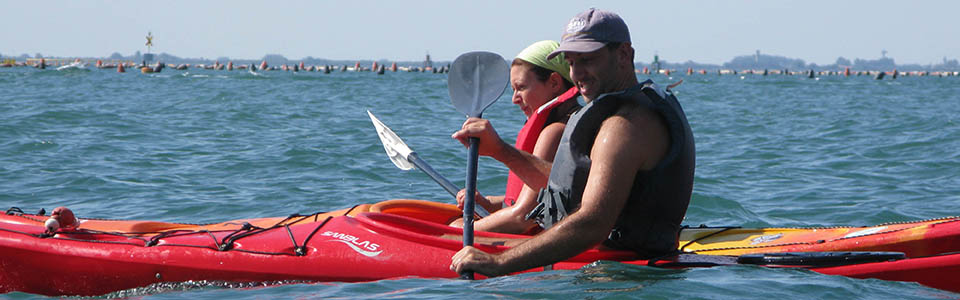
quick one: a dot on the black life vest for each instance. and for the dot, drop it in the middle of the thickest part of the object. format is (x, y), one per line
(650, 222)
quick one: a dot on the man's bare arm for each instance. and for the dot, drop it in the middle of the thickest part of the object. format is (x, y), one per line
(625, 144)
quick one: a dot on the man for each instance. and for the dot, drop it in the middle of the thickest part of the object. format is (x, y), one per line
(623, 172)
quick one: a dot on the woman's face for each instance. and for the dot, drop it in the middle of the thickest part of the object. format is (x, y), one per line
(529, 93)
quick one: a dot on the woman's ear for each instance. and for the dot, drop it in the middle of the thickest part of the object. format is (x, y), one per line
(556, 82)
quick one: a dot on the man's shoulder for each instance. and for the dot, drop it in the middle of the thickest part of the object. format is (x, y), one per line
(638, 113)
(644, 133)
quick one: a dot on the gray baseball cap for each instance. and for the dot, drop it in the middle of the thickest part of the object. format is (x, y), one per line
(591, 30)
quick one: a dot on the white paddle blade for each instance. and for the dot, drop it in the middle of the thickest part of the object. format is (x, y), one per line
(398, 151)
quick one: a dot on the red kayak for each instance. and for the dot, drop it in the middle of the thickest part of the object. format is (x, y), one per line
(390, 239)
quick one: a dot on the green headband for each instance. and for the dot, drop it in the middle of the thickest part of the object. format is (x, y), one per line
(537, 53)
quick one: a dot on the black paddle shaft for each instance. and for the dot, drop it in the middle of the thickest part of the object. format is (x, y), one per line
(476, 80)
(471, 188)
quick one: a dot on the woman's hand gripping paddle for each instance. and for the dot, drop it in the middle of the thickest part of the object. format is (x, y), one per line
(476, 80)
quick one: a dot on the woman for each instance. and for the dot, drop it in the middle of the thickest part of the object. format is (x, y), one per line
(542, 89)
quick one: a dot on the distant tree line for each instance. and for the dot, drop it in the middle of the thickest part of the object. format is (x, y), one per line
(774, 62)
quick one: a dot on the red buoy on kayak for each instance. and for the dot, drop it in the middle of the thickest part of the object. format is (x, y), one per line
(120, 68)
(63, 217)
(393, 67)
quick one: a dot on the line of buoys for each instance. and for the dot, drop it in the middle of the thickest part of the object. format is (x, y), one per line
(846, 71)
(381, 68)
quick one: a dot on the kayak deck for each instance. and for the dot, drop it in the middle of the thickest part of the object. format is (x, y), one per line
(915, 239)
(395, 238)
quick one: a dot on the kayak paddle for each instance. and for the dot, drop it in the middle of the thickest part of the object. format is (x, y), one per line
(405, 158)
(476, 80)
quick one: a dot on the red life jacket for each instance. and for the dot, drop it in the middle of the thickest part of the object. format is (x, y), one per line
(527, 139)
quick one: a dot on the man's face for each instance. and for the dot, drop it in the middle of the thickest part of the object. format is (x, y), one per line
(594, 73)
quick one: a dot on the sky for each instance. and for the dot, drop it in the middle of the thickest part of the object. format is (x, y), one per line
(817, 31)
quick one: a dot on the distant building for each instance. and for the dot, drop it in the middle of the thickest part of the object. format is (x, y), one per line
(427, 63)
(656, 63)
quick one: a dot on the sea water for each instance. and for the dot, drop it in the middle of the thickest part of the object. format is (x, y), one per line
(203, 146)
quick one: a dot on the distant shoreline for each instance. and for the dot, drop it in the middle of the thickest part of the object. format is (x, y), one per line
(746, 62)
(121, 65)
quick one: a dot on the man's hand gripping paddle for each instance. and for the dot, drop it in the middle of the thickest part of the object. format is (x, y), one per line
(476, 80)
